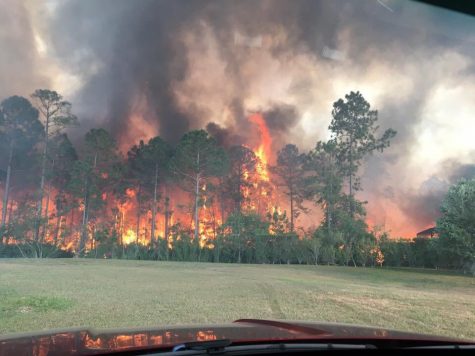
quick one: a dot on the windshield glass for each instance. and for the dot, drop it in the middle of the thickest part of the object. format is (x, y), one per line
(197, 162)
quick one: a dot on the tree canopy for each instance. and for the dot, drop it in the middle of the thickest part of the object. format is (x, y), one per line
(457, 225)
(354, 131)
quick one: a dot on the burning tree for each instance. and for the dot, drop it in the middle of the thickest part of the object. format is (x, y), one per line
(197, 159)
(94, 177)
(20, 131)
(239, 180)
(56, 115)
(63, 156)
(149, 164)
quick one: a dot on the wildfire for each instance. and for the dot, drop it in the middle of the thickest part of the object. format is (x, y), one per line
(129, 237)
(262, 164)
(130, 213)
(264, 190)
(206, 230)
(263, 151)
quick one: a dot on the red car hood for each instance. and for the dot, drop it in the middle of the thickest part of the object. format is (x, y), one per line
(89, 341)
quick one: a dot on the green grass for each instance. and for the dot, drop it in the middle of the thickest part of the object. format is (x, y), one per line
(45, 294)
(14, 303)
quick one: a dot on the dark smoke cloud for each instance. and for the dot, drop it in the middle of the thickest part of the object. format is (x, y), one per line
(461, 171)
(133, 46)
(424, 206)
(132, 51)
(280, 119)
(138, 54)
(224, 136)
(20, 64)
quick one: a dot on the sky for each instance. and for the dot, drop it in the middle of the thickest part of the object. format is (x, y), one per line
(144, 68)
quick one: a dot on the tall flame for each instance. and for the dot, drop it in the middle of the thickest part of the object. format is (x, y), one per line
(263, 151)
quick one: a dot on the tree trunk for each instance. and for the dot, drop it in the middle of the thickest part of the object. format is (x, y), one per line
(44, 233)
(83, 238)
(291, 210)
(71, 220)
(239, 238)
(7, 186)
(238, 207)
(154, 208)
(221, 208)
(197, 213)
(122, 225)
(93, 238)
(59, 215)
(239, 248)
(315, 252)
(44, 230)
(139, 210)
(166, 231)
(220, 197)
(167, 221)
(39, 209)
(351, 178)
(213, 212)
(330, 211)
(85, 215)
(330, 203)
(197, 199)
(58, 228)
(95, 243)
(353, 260)
(10, 212)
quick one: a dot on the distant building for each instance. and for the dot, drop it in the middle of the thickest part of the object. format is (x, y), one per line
(428, 233)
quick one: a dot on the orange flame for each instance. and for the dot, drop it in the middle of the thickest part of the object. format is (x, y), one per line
(263, 151)
(129, 237)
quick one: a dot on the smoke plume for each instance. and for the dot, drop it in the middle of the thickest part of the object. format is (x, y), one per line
(145, 68)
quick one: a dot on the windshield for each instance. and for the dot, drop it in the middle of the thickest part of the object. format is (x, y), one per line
(170, 163)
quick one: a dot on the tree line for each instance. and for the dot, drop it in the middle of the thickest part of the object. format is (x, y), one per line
(227, 219)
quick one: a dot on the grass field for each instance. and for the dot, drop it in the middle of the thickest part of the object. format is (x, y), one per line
(45, 294)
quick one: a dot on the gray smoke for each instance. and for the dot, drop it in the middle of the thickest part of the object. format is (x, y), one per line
(132, 44)
(224, 136)
(280, 119)
(138, 49)
(424, 206)
(20, 64)
(133, 51)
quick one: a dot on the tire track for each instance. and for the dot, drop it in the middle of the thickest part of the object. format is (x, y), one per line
(271, 296)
